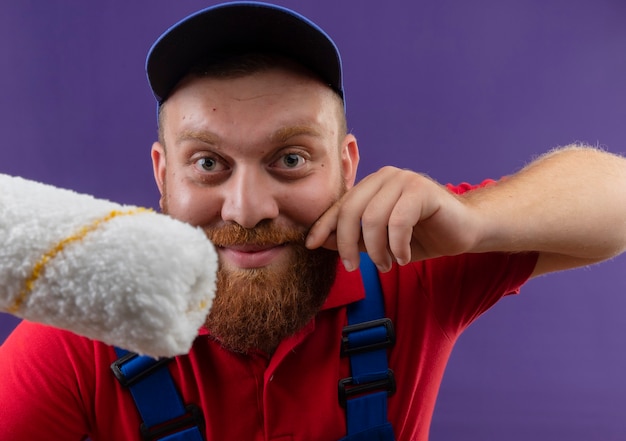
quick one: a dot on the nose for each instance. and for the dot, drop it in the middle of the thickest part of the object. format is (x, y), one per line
(249, 198)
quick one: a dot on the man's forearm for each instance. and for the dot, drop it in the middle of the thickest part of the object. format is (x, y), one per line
(569, 204)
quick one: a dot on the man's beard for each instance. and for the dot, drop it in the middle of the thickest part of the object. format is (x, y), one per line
(257, 308)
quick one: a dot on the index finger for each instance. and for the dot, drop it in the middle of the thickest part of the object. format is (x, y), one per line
(323, 230)
(326, 233)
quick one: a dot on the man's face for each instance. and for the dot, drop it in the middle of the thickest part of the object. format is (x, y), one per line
(255, 161)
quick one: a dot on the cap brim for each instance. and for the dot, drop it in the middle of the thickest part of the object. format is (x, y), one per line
(239, 28)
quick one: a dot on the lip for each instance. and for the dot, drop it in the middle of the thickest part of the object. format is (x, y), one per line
(251, 256)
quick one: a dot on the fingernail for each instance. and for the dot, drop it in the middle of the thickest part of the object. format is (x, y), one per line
(310, 240)
(347, 265)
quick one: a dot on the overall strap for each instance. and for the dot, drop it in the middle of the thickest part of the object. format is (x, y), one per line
(164, 415)
(365, 340)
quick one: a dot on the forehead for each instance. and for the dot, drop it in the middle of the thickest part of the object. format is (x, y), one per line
(269, 96)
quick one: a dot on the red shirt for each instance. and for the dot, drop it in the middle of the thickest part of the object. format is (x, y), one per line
(55, 385)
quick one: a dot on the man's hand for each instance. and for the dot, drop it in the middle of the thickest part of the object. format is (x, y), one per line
(395, 215)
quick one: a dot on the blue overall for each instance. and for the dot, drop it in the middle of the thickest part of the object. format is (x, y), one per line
(363, 395)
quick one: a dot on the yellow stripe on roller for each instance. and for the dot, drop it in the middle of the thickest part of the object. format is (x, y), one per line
(60, 246)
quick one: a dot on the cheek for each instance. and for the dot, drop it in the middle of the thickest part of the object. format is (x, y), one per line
(305, 205)
(195, 206)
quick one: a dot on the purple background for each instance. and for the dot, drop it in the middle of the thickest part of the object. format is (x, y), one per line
(459, 90)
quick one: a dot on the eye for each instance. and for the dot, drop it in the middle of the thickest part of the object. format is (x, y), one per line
(291, 160)
(207, 164)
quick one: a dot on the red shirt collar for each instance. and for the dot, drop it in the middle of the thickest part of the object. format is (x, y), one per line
(348, 288)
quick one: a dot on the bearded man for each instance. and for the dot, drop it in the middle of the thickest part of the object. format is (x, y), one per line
(253, 148)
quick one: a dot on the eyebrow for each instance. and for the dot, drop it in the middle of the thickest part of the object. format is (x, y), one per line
(282, 134)
(199, 135)
(285, 133)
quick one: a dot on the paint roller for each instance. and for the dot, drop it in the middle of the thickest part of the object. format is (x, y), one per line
(121, 274)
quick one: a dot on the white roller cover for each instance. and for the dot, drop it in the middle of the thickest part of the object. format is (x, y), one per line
(120, 274)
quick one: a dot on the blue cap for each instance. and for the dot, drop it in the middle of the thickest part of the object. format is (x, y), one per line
(237, 28)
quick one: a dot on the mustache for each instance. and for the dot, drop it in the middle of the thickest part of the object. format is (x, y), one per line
(263, 234)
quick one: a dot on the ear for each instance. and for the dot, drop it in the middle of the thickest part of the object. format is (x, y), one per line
(158, 164)
(349, 160)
